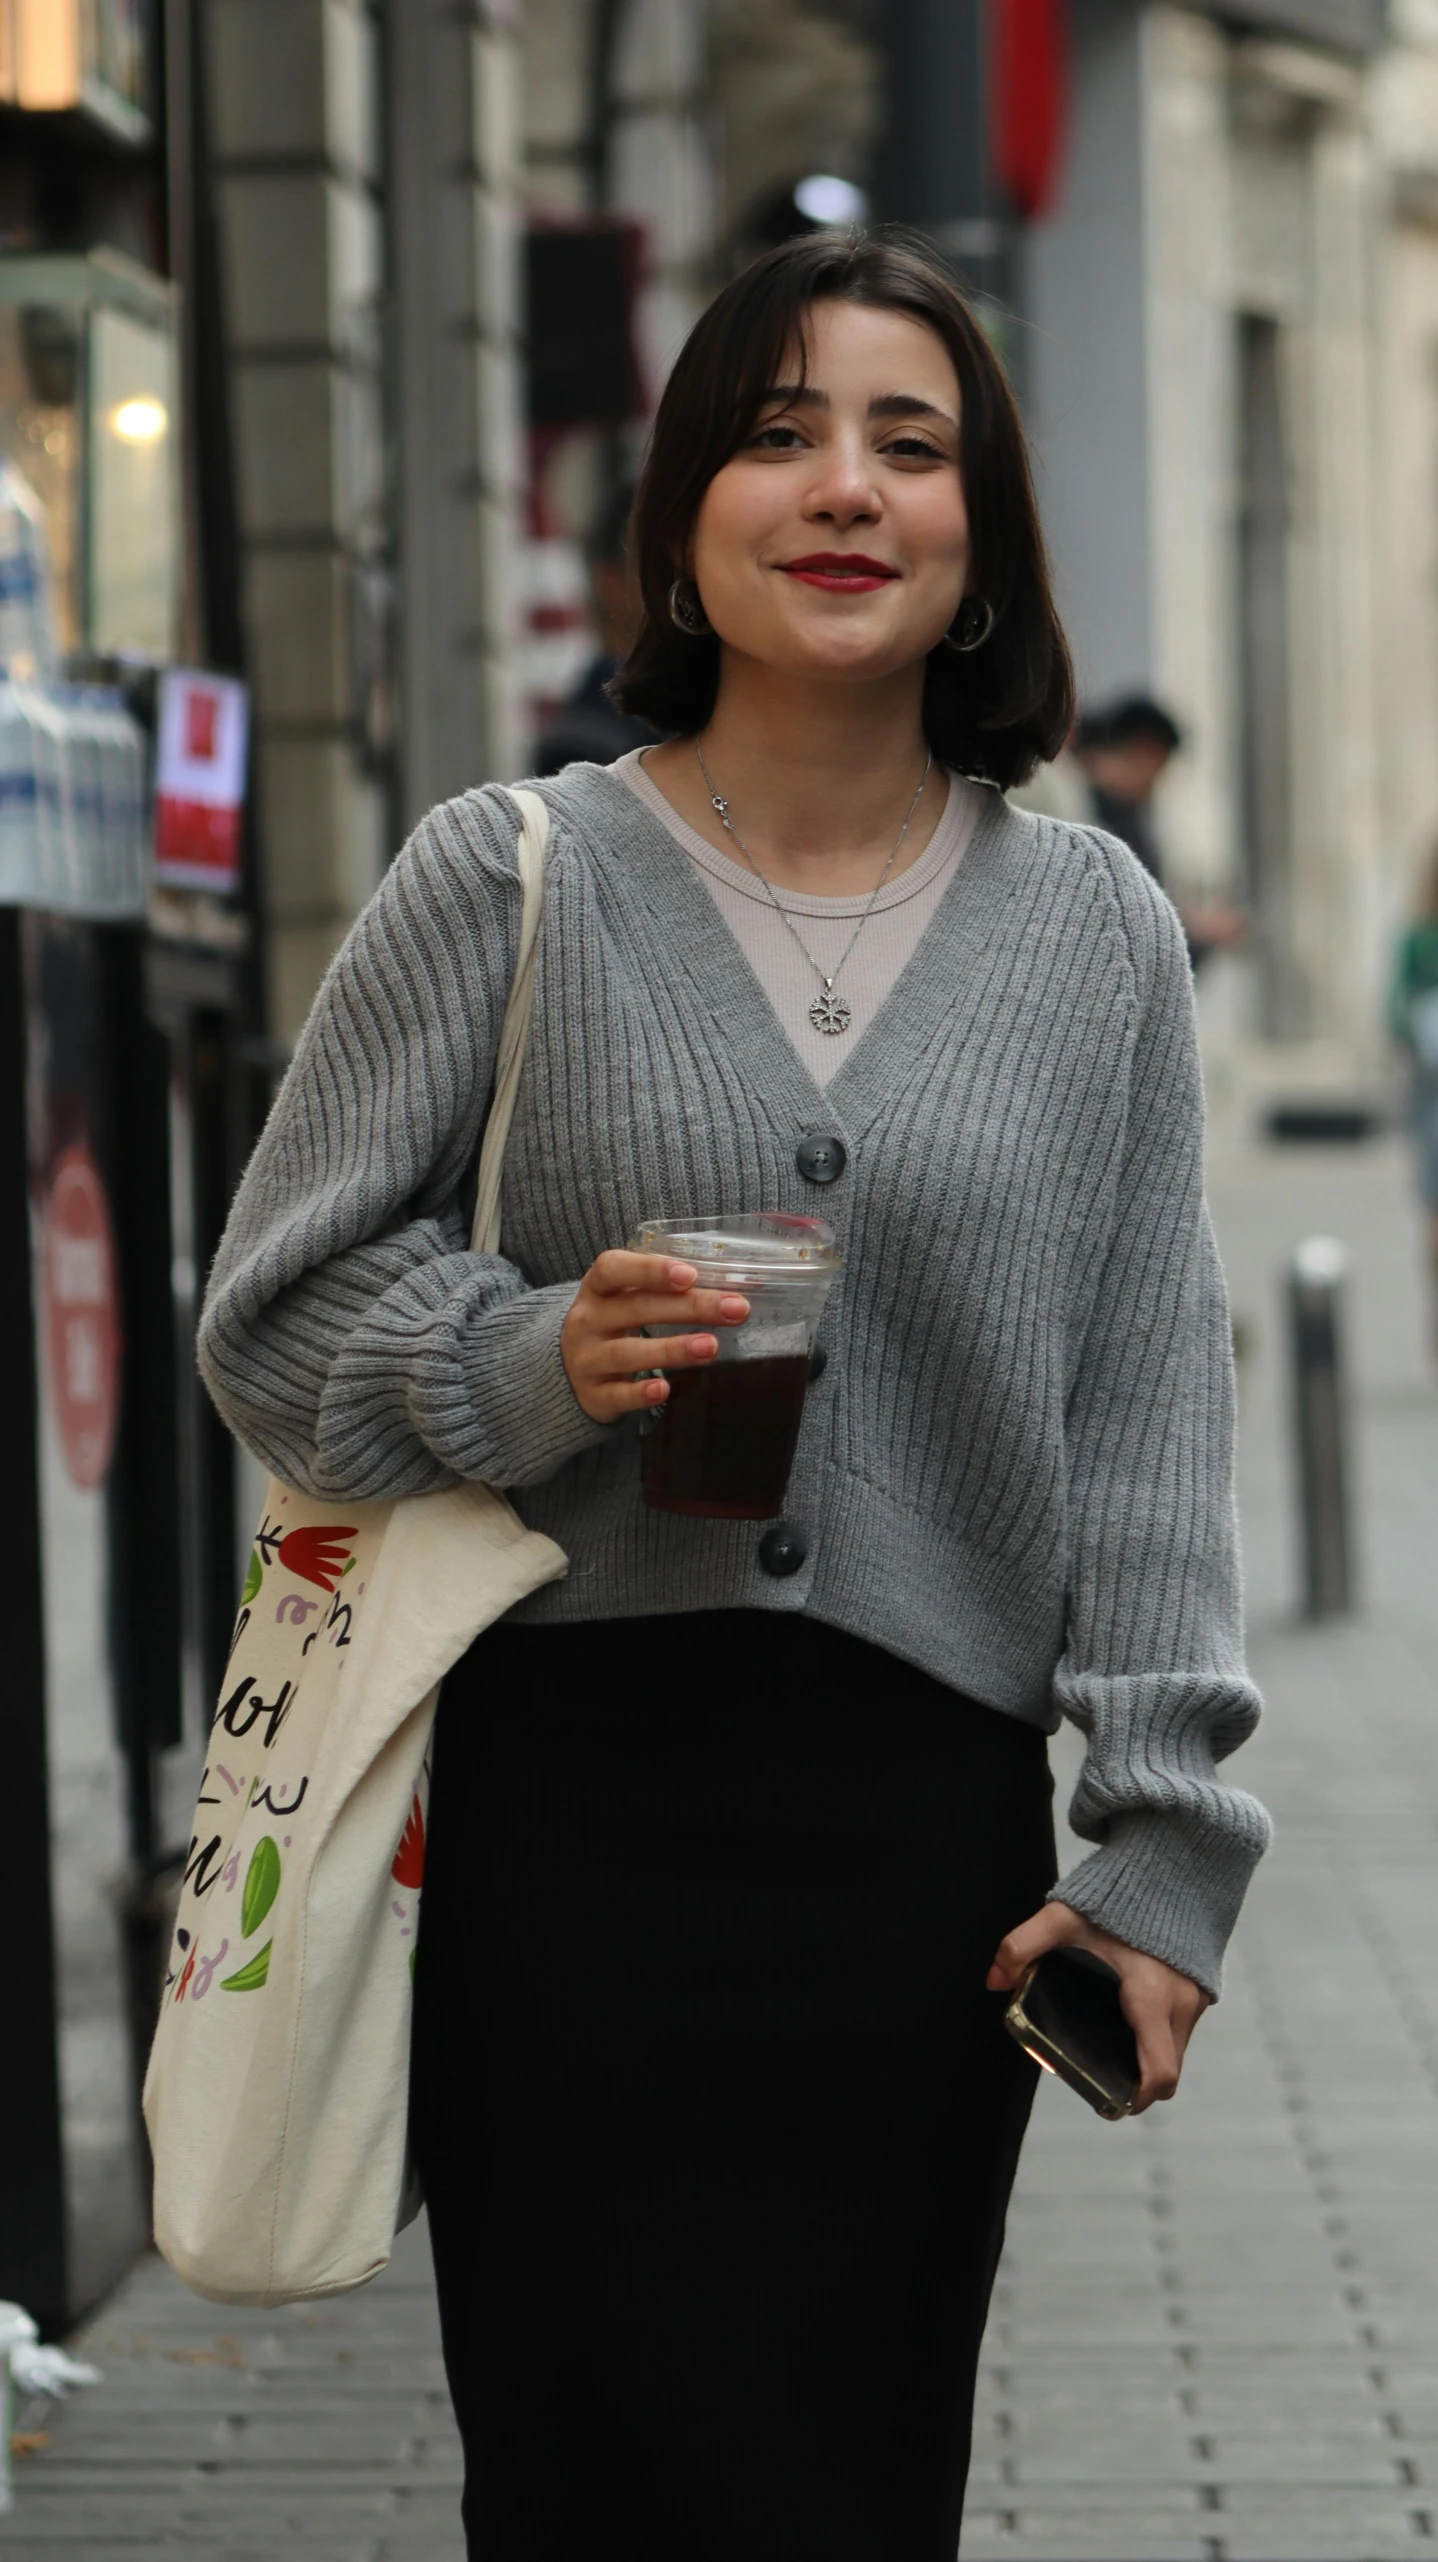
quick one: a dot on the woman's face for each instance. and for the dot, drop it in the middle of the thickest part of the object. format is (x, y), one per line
(835, 542)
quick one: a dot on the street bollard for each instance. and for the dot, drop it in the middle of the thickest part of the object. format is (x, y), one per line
(1315, 1287)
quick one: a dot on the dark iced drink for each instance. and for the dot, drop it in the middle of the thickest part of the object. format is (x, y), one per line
(723, 1443)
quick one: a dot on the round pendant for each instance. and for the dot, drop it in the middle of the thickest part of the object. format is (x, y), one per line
(829, 1013)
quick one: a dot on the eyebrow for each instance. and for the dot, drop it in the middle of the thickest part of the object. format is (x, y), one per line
(887, 404)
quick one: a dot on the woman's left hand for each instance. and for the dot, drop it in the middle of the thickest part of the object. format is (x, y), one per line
(1161, 2006)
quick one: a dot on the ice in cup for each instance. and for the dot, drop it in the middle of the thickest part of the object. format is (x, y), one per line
(723, 1443)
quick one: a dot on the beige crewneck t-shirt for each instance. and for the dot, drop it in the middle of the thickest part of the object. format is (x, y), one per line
(902, 910)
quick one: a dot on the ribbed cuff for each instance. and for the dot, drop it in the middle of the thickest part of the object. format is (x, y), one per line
(1172, 1887)
(515, 1375)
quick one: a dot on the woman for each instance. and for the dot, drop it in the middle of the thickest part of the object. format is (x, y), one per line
(737, 1833)
(1413, 1016)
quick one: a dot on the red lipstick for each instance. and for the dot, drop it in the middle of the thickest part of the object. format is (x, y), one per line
(840, 573)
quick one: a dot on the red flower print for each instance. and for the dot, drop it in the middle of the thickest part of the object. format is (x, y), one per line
(316, 1554)
(408, 1866)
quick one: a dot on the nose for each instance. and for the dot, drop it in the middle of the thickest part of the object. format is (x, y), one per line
(843, 490)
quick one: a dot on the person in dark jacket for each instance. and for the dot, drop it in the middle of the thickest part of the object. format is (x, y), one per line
(588, 728)
(1123, 748)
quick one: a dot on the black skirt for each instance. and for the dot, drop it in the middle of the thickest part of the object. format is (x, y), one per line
(716, 2121)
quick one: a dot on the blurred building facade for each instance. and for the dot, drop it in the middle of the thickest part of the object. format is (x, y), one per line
(1229, 350)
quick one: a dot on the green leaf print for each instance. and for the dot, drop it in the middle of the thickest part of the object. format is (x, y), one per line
(254, 1577)
(262, 1883)
(251, 1977)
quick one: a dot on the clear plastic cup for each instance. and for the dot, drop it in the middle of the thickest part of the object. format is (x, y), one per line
(723, 1443)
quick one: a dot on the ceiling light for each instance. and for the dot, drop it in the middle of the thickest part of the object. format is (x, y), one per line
(141, 421)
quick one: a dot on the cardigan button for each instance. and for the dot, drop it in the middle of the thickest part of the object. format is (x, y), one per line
(783, 1549)
(818, 1363)
(821, 1160)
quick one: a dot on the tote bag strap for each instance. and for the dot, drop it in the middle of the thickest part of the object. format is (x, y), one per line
(514, 1030)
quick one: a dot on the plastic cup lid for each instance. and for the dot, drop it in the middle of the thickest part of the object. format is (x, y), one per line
(771, 1242)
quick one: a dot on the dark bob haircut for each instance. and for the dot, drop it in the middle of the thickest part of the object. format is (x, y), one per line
(995, 712)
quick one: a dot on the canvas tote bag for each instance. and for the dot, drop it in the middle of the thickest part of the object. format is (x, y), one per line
(276, 2095)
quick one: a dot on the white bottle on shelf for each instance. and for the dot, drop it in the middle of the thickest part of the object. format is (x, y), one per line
(27, 622)
(90, 889)
(57, 865)
(122, 769)
(19, 817)
(100, 716)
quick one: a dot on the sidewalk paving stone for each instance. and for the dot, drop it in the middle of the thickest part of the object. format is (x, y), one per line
(319, 2430)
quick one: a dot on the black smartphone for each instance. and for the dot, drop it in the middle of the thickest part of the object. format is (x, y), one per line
(1067, 2014)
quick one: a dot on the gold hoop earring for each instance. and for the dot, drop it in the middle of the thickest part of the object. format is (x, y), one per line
(970, 627)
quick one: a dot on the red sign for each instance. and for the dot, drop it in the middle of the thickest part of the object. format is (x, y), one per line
(80, 1316)
(202, 720)
(1029, 57)
(196, 844)
(200, 772)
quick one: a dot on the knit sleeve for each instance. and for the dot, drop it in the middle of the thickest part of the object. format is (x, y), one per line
(349, 1338)
(1153, 1670)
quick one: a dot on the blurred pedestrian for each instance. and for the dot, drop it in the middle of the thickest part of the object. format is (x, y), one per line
(741, 1835)
(589, 727)
(1123, 749)
(1413, 1015)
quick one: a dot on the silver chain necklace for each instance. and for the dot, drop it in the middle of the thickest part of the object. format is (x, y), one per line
(830, 1012)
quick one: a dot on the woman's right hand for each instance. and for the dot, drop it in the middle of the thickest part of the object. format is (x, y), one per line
(603, 1344)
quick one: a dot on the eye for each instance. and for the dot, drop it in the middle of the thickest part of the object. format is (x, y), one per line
(914, 446)
(778, 439)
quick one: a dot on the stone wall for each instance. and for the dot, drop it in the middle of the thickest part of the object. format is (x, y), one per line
(293, 94)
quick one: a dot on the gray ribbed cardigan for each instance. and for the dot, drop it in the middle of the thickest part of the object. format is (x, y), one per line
(1015, 1471)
